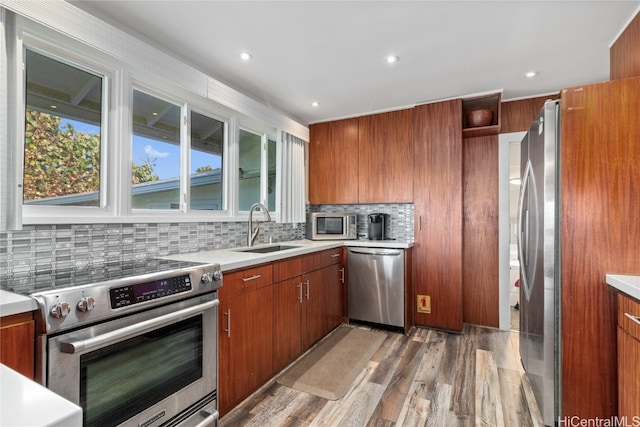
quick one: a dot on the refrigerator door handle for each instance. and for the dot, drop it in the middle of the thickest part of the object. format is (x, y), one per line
(523, 224)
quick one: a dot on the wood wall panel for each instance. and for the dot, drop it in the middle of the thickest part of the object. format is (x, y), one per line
(437, 266)
(518, 115)
(385, 158)
(480, 231)
(599, 235)
(624, 55)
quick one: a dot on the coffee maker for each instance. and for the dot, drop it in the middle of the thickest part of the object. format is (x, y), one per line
(377, 226)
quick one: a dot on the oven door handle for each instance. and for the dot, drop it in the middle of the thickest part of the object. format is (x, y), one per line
(71, 347)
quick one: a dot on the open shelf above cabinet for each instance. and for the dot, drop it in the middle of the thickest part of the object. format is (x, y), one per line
(488, 102)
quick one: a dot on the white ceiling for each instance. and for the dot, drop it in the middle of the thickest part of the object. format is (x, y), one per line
(333, 51)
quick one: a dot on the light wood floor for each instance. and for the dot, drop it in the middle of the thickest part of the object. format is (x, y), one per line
(428, 378)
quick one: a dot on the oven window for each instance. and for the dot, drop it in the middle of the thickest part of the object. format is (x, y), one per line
(330, 225)
(119, 381)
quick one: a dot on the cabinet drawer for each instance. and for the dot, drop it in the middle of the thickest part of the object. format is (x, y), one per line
(292, 267)
(332, 256)
(629, 307)
(247, 280)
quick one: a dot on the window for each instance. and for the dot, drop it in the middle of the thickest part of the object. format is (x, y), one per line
(91, 146)
(158, 153)
(257, 171)
(206, 177)
(155, 153)
(62, 134)
(271, 174)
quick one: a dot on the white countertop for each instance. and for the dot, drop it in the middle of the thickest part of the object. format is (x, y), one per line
(27, 403)
(630, 285)
(231, 259)
(11, 303)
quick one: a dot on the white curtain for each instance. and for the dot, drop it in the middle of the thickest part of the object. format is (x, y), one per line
(293, 184)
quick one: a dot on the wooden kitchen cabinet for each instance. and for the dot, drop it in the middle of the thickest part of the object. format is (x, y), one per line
(333, 162)
(334, 279)
(385, 158)
(245, 334)
(313, 308)
(628, 357)
(362, 160)
(333, 263)
(308, 294)
(287, 324)
(299, 316)
(17, 339)
(437, 251)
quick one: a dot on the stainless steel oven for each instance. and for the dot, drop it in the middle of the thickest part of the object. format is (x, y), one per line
(138, 350)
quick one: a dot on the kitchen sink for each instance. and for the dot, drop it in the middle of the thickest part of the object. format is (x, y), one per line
(266, 249)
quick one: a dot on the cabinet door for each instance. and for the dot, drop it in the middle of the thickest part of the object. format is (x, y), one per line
(628, 375)
(245, 345)
(17, 338)
(313, 308)
(333, 162)
(385, 158)
(334, 276)
(437, 266)
(287, 325)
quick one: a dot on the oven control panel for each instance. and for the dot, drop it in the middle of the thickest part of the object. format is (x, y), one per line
(124, 296)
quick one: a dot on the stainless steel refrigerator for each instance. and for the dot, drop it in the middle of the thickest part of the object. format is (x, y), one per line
(539, 254)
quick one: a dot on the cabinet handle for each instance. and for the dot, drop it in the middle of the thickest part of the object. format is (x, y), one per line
(335, 255)
(228, 330)
(254, 277)
(307, 283)
(342, 275)
(635, 319)
(300, 296)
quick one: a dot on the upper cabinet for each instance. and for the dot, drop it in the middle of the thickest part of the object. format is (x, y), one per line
(486, 104)
(333, 162)
(362, 160)
(386, 158)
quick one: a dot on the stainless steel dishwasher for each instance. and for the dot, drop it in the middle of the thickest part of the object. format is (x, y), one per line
(376, 285)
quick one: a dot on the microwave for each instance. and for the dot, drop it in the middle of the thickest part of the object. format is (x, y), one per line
(332, 226)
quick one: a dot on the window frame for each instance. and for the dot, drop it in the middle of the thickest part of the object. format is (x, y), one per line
(30, 39)
(266, 134)
(120, 73)
(191, 108)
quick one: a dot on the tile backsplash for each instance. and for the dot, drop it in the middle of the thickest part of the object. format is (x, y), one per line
(39, 249)
(400, 217)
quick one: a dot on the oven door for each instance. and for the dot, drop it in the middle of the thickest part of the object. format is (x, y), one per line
(158, 367)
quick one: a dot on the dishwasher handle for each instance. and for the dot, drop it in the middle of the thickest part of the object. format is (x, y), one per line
(377, 251)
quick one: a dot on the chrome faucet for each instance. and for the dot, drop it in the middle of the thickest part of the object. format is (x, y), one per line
(252, 234)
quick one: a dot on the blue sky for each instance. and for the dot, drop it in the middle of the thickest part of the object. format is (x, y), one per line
(164, 156)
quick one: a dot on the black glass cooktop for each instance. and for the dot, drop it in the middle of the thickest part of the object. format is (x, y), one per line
(60, 278)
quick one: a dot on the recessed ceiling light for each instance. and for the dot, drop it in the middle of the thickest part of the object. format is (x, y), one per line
(155, 113)
(530, 74)
(315, 104)
(245, 56)
(392, 59)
